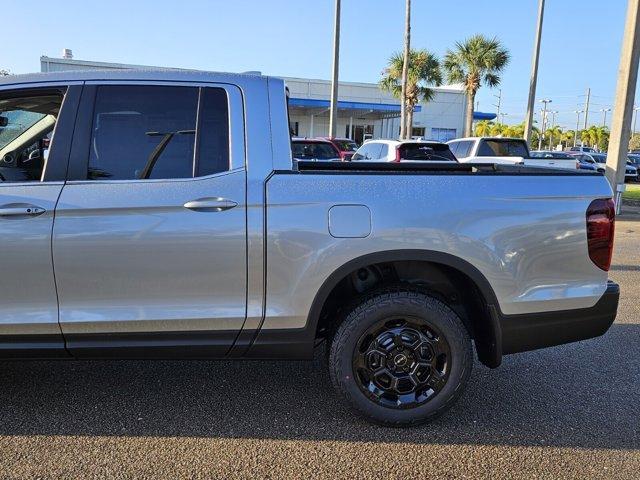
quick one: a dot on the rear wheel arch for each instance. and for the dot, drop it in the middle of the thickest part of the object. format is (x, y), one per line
(482, 307)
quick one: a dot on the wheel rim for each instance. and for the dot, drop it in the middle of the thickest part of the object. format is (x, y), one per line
(402, 362)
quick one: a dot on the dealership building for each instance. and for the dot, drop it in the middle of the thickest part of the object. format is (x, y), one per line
(364, 111)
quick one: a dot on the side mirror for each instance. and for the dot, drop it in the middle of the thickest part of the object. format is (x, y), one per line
(4, 121)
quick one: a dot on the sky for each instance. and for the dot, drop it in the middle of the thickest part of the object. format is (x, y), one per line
(580, 44)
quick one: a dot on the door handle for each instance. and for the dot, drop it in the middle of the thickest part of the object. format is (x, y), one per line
(20, 210)
(216, 204)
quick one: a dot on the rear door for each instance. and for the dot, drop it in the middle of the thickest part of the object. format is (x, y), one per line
(149, 242)
(36, 124)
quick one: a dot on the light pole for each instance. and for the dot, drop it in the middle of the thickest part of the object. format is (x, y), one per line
(502, 115)
(553, 125)
(404, 133)
(528, 123)
(623, 104)
(544, 121)
(635, 117)
(604, 116)
(333, 115)
(575, 136)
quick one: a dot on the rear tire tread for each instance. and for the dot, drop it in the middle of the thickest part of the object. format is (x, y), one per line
(384, 297)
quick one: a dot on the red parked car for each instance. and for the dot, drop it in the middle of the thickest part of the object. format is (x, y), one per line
(345, 146)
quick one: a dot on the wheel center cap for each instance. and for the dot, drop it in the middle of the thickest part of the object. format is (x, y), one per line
(400, 360)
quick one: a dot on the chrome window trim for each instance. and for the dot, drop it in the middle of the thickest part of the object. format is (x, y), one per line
(237, 143)
(155, 180)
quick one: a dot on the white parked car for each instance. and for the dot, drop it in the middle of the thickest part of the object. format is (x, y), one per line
(509, 151)
(403, 151)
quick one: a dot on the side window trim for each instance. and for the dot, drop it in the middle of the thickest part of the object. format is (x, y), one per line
(55, 167)
(79, 157)
(57, 163)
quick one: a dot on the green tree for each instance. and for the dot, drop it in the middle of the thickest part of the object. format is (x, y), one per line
(423, 73)
(634, 142)
(476, 61)
(4, 72)
(596, 136)
(483, 128)
(568, 137)
(552, 136)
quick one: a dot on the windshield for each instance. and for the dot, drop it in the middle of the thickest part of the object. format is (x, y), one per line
(426, 151)
(598, 157)
(18, 121)
(313, 151)
(503, 148)
(346, 145)
(635, 159)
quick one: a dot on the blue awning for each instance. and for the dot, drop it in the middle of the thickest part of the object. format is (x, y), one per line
(483, 116)
(376, 107)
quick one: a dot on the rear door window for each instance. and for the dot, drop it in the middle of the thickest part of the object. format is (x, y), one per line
(464, 149)
(384, 151)
(368, 151)
(143, 132)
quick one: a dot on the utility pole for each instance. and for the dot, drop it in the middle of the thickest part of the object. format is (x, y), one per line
(333, 115)
(528, 123)
(544, 121)
(604, 116)
(497, 105)
(623, 105)
(503, 115)
(586, 107)
(405, 73)
(575, 136)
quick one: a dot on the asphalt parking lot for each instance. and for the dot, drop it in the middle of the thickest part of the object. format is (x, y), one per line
(566, 412)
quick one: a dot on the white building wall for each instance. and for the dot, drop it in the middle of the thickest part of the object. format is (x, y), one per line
(445, 111)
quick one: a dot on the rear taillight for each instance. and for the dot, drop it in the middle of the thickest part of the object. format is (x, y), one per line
(600, 226)
(397, 154)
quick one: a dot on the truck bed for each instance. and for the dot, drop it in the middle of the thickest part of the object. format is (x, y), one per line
(442, 168)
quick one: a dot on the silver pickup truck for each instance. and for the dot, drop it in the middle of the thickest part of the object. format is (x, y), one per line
(160, 215)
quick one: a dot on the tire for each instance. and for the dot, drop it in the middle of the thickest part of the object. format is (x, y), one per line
(396, 339)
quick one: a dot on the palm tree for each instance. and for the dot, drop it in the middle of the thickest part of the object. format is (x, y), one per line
(497, 129)
(423, 73)
(476, 61)
(483, 128)
(553, 133)
(568, 137)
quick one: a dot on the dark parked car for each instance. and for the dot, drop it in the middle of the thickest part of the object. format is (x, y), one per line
(313, 149)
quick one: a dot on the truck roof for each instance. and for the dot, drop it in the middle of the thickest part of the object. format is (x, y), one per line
(486, 138)
(169, 75)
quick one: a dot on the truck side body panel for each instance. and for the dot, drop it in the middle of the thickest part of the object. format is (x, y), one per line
(525, 234)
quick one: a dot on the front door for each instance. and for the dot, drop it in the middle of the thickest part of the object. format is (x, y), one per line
(149, 240)
(35, 132)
